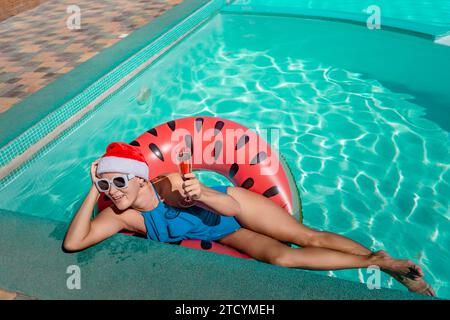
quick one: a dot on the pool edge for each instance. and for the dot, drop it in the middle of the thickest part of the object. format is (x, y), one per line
(38, 267)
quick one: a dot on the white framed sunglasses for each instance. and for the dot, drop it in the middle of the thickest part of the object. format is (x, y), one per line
(119, 181)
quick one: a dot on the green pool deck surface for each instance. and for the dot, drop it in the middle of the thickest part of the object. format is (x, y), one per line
(124, 267)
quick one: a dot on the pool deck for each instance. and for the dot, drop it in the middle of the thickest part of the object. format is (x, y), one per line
(125, 267)
(36, 47)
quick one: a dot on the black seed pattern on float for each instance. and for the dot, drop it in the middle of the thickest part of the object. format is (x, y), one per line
(171, 125)
(156, 151)
(261, 156)
(206, 245)
(188, 143)
(272, 191)
(248, 183)
(217, 149)
(134, 143)
(153, 132)
(218, 127)
(242, 141)
(233, 170)
(199, 124)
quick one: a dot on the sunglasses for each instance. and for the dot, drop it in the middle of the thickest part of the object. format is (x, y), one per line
(120, 182)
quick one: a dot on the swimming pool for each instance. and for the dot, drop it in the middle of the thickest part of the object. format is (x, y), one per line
(434, 13)
(365, 135)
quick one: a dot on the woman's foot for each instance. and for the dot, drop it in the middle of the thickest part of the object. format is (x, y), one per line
(417, 286)
(405, 268)
(406, 272)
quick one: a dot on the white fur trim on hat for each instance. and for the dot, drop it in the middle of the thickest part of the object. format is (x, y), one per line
(123, 165)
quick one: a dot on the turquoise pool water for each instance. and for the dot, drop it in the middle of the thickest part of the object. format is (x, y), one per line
(361, 115)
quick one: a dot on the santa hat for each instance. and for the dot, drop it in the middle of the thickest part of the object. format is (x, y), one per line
(123, 158)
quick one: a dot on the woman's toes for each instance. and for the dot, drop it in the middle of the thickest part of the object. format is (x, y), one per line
(412, 270)
(413, 273)
(419, 269)
(431, 292)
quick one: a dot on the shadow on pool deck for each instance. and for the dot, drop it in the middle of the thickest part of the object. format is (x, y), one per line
(124, 267)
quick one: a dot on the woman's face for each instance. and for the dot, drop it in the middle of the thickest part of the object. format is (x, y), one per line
(122, 198)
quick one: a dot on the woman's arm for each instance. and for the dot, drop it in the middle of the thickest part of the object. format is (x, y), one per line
(220, 202)
(83, 232)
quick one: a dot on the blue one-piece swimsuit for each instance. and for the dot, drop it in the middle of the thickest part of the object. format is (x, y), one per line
(168, 224)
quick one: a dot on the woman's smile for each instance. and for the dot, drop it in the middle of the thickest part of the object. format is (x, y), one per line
(117, 198)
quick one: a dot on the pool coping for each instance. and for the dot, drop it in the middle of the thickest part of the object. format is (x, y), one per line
(124, 267)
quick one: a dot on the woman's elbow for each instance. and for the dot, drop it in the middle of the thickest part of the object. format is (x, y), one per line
(69, 247)
(72, 246)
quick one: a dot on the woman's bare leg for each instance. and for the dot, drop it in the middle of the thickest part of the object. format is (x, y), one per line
(259, 213)
(264, 248)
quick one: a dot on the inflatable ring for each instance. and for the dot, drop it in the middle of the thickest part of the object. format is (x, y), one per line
(261, 170)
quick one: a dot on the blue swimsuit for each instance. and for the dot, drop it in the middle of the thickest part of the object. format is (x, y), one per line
(168, 224)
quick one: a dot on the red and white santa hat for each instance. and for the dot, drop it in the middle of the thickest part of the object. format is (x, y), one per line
(123, 158)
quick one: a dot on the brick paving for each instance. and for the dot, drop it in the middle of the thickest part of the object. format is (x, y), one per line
(36, 46)
(10, 8)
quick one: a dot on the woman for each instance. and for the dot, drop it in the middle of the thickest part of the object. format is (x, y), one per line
(172, 208)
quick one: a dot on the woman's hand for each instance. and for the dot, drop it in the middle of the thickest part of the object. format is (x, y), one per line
(192, 187)
(94, 171)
